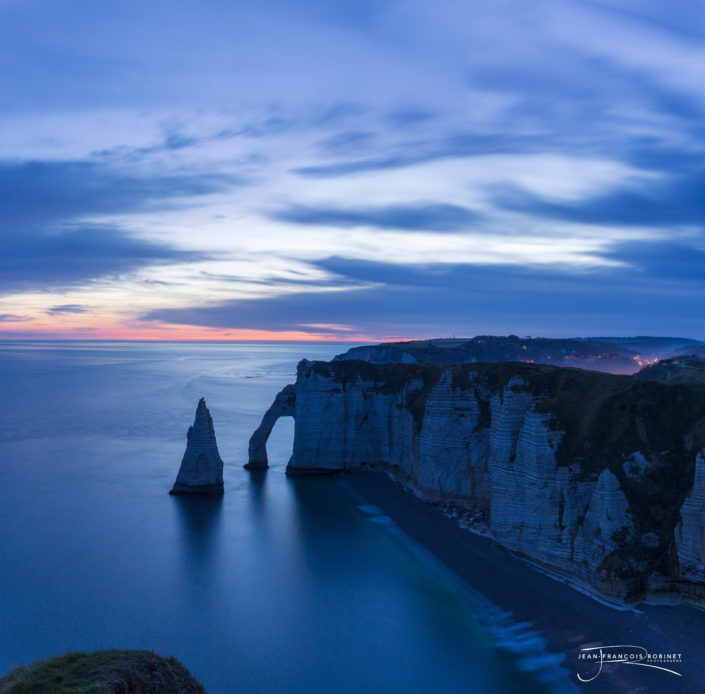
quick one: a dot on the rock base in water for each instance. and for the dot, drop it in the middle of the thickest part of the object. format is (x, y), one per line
(256, 466)
(295, 471)
(179, 489)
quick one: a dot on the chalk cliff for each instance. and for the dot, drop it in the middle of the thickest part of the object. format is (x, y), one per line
(690, 533)
(590, 475)
(201, 470)
(283, 406)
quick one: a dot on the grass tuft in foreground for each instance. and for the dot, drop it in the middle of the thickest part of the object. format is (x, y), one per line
(102, 672)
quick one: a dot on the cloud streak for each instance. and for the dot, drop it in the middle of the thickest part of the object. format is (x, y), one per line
(66, 308)
(48, 191)
(46, 239)
(36, 257)
(412, 217)
(462, 299)
(678, 201)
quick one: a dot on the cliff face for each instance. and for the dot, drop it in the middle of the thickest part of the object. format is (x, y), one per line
(690, 532)
(590, 475)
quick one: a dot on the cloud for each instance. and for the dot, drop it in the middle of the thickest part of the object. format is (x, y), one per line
(13, 318)
(409, 116)
(347, 141)
(677, 200)
(412, 217)
(173, 141)
(66, 308)
(664, 260)
(45, 240)
(410, 153)
(37, 257)
(48, 191)
(463, 299)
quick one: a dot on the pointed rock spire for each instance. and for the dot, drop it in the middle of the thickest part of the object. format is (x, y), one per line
(201, 470)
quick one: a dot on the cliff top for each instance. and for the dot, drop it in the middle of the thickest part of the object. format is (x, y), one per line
(687, 369)
(622, 355)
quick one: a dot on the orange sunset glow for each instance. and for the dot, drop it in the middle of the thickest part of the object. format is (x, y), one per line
(104, 329)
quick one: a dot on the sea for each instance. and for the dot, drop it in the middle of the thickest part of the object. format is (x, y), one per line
(283, 585)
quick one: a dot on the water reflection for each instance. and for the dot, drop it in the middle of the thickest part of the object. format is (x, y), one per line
(199, 524)
(258, 489)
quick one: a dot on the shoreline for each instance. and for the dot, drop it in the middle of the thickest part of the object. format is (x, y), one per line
(565, 618)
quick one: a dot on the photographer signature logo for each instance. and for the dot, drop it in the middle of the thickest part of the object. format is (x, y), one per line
(600, 656)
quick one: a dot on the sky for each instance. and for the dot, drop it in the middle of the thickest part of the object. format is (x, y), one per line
(351, 170)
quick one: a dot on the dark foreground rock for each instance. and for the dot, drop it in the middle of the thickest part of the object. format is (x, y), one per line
(102, 672)
(201, 470)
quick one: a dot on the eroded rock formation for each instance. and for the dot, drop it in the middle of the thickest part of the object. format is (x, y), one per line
(283, 406)
(201, 470)
(587, 474)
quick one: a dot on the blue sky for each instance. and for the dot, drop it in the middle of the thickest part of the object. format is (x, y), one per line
(351, 170)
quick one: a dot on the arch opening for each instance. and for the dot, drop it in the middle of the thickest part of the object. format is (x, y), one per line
(284, 405)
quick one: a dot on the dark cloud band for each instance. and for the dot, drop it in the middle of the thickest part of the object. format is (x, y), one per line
(415, 217)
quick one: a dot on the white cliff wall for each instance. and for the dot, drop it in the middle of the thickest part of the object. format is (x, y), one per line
(451, 458)
(339, 426)
(690, 533)
(495, 454)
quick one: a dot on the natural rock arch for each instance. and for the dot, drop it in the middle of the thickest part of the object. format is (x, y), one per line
(284, 405)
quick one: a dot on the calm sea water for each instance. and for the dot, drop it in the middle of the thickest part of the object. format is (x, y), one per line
(283, 585)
